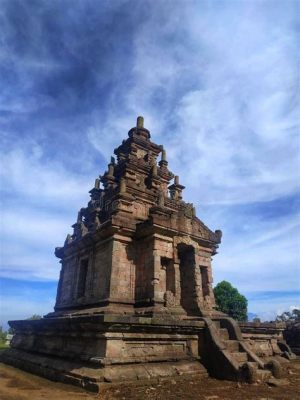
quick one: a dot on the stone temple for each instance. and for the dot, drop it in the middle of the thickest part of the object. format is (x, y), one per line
(135, 297)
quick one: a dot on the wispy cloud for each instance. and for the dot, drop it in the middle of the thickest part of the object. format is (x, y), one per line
(34, 177)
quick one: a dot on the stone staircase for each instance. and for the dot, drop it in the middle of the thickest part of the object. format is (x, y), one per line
(229, 357)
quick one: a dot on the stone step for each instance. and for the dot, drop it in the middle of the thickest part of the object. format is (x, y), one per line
(224, 334)
(263, 375)
(232, 345)
(257, 374)
(240, 356)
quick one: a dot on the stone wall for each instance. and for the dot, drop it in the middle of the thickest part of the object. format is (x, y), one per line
(122, 280)
(263, 338)
(85, 276)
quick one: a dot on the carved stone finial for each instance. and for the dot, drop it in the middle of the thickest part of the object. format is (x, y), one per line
(112, 160)
(110, 169)
(218, 234)
(140, 122)
(139, 130)
(163, 162)
(154, 169)
(79, 217)
(97, 221)
(68, 239)
(83, 229)
(176, 180)
(122, 185)
(97, 183)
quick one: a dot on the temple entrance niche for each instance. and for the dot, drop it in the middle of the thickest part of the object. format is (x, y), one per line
(187, 264)
(205, 281)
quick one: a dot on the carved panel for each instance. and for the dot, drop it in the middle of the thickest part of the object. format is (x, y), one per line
(140, 153)
(154, 349)
(185, 240)
(140, 210)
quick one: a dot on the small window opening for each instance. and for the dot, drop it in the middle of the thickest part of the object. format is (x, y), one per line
(82, 277)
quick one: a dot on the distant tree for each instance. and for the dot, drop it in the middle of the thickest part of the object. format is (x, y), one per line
(2, 335)
(230, 301)
(289, 316)
(35, 316)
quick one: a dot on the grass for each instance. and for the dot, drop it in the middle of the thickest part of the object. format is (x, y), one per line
(3, 346)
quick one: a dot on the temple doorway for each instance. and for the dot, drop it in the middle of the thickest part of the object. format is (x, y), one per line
(188, 299)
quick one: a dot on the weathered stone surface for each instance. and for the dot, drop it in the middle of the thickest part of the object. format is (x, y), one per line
(266, 339)
(277, 382)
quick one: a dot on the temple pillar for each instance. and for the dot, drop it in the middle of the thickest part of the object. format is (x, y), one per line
(198, 282)
(159, 279)
(205, 272)
(177, 283)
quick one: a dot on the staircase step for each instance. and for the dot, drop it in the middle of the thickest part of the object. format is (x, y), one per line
(263, 375)
(232, 345)
(240, 356)
(224, 334)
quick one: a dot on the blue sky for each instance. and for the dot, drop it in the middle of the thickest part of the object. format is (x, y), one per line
(218, 85)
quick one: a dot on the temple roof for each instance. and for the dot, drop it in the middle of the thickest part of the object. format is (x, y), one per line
(136, 188)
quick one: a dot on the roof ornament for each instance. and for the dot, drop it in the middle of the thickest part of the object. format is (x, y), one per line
(97, 183)
(163, 162)
(139, 129)
(176, 189)
(140, 122)
(110, 169)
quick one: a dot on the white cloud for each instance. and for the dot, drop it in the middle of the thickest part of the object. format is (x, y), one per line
(38, 227)
(28, 239)
(27, 174)
(263, 257)
(226, 82)
(268, 309)
(23, 104)
(40, 203)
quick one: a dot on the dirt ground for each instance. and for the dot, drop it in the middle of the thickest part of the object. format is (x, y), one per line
(19, 385)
